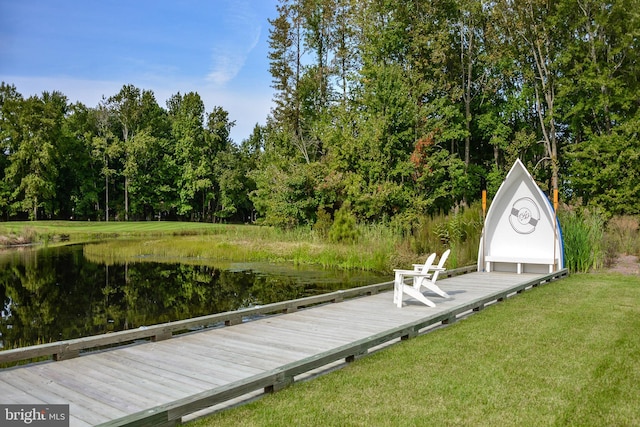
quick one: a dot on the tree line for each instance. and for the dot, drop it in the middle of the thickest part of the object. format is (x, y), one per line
(410, 108)
(382, 109)
(127, 158)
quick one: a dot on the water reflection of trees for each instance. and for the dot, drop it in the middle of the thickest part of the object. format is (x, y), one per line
(55, 294)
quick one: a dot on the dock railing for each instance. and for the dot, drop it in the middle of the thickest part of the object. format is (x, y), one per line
(66, 349)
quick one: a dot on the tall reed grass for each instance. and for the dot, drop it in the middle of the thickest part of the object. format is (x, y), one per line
(583, 232)
(622, 235)
(12, 237)
(459, 231)
(375, 247)
(373, 250)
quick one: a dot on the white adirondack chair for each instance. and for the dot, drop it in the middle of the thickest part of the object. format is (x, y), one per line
(429, 281)
(400, 288)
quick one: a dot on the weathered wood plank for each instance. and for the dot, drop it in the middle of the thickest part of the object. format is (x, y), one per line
(108, 395)
(83, 411)
(15, 395)
(184, 365)
(346, 327)
(218, 352)
(136, 390)
(188, 374)
(249, 344)
(377, 318)
(101, 369)
(208, 365)
(231, 342)
(164, 376)
(300, 336)
(244, 334)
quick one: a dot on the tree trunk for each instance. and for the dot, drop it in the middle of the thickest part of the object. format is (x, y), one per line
(106, 197)
(126, 198)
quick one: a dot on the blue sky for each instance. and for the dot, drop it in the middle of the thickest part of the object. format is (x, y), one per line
(86, 49)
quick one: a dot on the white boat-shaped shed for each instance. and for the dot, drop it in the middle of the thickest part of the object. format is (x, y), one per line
(521, 231)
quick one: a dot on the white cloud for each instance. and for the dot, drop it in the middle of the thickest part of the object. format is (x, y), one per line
(226, 65)
(242, 32)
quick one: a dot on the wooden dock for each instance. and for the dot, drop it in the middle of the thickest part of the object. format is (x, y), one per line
(160, 381)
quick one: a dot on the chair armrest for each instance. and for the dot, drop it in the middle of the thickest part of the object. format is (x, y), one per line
(419, 266)
(412, 273)
(399, 270)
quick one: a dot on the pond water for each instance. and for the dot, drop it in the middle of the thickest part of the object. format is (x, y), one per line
(52, 294)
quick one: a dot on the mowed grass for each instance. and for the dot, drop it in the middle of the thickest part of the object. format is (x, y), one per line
(566, 353)
(88, 229)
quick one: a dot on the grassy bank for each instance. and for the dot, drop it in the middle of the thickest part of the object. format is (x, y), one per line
(375, 250)
(228, 248)
(590, 242)
(567, 353)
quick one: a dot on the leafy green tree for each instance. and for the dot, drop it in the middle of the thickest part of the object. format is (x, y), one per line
(285, 64)
(78, 186)
(386, 124)
(345, 57)
(470, 27)
(196, 150)
(143, 167)
(187, 116)
(247, 159)
(529, 27)
(442, 69)
(105, 149)
(148, 163)
(319, 18)
(605, 169)
(600, 104)
(391, 107)
(226, 194)
(10, 103)
(600, 83)
(33, 168)
(126, 107)
(440, 178)
(285, 194)
(232, 195)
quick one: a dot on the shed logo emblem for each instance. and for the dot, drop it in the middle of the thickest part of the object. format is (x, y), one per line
(525, 216)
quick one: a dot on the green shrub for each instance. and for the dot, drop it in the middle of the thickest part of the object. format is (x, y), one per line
(323, 223)
(343, 229)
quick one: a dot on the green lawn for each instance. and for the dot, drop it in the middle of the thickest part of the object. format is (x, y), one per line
(567, 353)
(88, 228)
